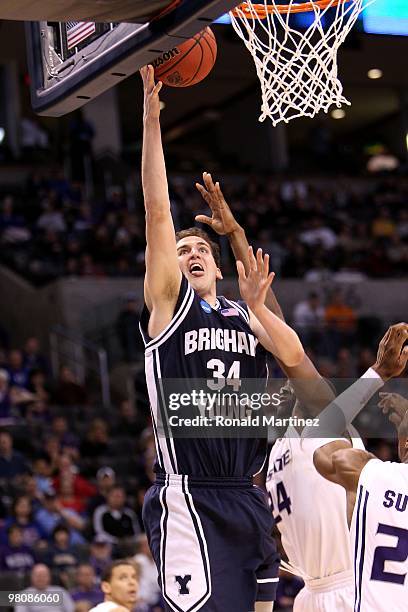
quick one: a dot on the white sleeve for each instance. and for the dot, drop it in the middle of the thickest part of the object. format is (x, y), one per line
(337, 416)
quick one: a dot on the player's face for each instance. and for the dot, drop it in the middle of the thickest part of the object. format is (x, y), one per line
(286, 401)
(197, 264)
(123, 586)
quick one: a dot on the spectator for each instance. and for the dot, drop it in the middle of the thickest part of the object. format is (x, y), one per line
(383, 226)
(52, 514)
(42, 474)
(34, 359)
(105, 481)
(53, 452)
(341, 322)
(22, 516)
(149, 591)
(72, 485)
(130, 422)
(17, 372)
(69, 392)
(114, 520)
(40, 585)
(5, 398)
(309, 321)
(127, 329)
(51, 219)
(96, 441)
(68, 442)
(100, 554)
(37, 385)
(16, 556)
(85, 588)
(12, 463)
(61, 555)
(30, 490)
(319, 234)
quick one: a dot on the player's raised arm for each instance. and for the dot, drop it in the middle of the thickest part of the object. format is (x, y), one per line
(273, 333)
(163, 276)
(223, 222)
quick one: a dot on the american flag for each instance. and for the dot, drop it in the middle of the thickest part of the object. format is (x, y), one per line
(230, 312)
(77, 31)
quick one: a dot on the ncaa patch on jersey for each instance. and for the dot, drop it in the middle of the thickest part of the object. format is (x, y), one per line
(230, 312)
(205, 306)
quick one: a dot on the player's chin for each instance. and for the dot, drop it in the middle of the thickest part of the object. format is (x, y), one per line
(132, 597)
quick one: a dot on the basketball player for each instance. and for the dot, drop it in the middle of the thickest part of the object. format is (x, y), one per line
(120, 583)
(208, 527)
(377, 505)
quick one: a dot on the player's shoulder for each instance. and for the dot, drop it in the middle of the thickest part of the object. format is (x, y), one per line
(108, 606)
(375, 472)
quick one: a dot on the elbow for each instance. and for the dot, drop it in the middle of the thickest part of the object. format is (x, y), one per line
(295, 357)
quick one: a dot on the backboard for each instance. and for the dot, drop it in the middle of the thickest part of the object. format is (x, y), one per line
(74, 61)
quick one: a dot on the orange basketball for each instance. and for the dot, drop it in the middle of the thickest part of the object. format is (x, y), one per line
(188, 63)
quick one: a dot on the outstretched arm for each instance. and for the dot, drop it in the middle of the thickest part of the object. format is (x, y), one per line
(338, 462)
(273, 333)
(223, 222)
(163, 276)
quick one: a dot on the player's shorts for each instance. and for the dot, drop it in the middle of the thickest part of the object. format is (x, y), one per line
(212, 544)
(330, 594)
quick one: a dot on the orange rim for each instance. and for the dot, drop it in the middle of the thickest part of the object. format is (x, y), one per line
(261, 10)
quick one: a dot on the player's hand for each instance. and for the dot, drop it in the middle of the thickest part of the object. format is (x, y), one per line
(254, 286)
(222, 220)
(394, 405)
(392, 355)
(151, 93)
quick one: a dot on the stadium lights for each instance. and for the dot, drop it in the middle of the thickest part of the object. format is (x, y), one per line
(406, 140)
(338, 113)
(374, 73)
(2, 134)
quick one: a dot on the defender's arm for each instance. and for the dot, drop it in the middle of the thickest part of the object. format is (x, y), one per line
(338, 462)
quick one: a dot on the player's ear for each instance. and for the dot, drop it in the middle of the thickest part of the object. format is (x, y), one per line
(219, 275)
(105, 587)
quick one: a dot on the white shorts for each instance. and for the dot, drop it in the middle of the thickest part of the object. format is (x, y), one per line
(330, 594)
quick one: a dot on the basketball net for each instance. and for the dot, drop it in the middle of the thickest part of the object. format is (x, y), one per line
(297, 69)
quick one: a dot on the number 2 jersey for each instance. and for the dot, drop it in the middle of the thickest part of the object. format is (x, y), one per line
(379, 531)
(215, 345)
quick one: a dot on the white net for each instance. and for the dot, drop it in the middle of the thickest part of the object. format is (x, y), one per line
(297, 68)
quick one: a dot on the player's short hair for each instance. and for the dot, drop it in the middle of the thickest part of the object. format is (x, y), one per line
(196, 231)
(108, 572)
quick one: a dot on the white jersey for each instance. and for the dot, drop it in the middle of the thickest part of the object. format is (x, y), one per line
(310, 512)
(106, 606)
(379, 532)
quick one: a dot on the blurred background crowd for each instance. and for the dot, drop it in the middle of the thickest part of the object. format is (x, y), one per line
(343, 229)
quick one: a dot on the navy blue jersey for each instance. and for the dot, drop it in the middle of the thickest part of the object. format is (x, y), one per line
(211, 344)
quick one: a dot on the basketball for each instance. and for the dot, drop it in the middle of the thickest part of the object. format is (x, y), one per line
(188, 63)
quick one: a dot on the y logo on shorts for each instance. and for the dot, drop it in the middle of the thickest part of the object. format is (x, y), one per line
(183, 581)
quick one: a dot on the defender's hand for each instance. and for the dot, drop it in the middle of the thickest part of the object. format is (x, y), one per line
(222, 220)
(395, 406)
(392, 356)
(254, 286)
(151, 93)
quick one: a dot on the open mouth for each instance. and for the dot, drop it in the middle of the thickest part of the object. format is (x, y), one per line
(196, 269)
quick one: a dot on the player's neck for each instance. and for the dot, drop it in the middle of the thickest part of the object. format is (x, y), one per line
(210, 297)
